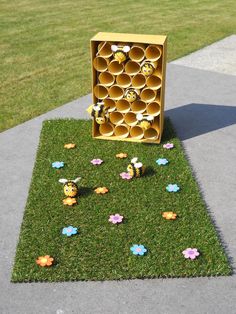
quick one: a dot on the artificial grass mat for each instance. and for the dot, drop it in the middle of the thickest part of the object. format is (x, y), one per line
(101, 251)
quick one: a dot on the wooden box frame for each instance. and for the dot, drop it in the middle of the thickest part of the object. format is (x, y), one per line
(130, 39)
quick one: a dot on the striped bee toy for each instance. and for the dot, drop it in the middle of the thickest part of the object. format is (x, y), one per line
(70, 187)
(99, 112)
(131, 94)
(145, 121)
(135, 168)
(120, 52)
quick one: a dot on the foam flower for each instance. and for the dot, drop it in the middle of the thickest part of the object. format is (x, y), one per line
(172, 188)
(69, 231)
(162, 161)
(169, 215)
(115, 219)
(168, 145)
(58, 164)
(69, 201)
(96, 161)
(69, 146)
(138, 249)
(121, 155)
(46, 260)
(125, 176)
(101, 190)
(191, 253)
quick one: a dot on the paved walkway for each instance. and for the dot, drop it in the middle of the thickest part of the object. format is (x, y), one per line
(202, 107)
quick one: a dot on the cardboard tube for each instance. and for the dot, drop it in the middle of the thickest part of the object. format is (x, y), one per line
(100, 91)
(121, 131)
(116, 92)
(123, 105)
(123, 79)
(115, 67)
(130, 119)
(100, 64)
(104, 50)
(106, 78)
(136, 132)
(106, 129)
(110, 103)
(153, 108)
(148, 95)
(151, 134)
(116, 117)
(153, 53)
(154, 82)
(132, 67)
(138, 106)
(138, 81)
(137, 53)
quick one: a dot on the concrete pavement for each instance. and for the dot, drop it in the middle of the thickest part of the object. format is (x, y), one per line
(202, 107)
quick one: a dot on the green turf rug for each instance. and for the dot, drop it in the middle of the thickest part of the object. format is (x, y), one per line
(101, 250)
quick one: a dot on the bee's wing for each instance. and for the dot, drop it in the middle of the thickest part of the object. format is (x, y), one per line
(139, 116)
(76, 180)
(126, 48)
(138, 165)
(134, 160)
(96, 108)
(63, 181)
(149, 118)
(114, 48)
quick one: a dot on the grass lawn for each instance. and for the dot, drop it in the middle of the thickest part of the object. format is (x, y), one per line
(101, 250)
(44, 44)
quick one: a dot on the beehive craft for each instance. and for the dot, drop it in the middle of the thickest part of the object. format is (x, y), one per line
(128, 79)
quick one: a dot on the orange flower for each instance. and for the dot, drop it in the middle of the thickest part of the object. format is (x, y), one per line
(45, 260)
(169, 215)
(101, 190)
(69, 146)
(121, 155)
(69, 201)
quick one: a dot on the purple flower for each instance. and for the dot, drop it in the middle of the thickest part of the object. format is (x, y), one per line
(190, 253)
(138, 249)
(125, 176)
(172, 188)
(115, 219)
(168, 145)
(96, 161)
(162, 161)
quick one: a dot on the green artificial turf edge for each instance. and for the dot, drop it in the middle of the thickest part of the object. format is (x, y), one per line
(45, 215)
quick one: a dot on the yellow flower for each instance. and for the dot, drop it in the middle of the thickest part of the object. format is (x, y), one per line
(169, 215)
(45, 260)
(121, 155)
(101, 190)
(69, 146)
(69, 201)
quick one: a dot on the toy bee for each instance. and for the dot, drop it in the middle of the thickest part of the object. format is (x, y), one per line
(147, 68)
(120, 52)
(145, 121)
(70, 187)
(131, 94)
(99, 112)
(135, 169)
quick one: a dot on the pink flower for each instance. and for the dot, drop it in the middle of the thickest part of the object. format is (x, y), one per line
(115, 219)
(168, 145)
(96, 161)
(125, 176)
(190, 253)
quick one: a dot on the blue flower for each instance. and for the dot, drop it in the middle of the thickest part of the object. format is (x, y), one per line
(162, 161)
(69, 231)
(172, 188)
(58, 164)
(138, 249)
